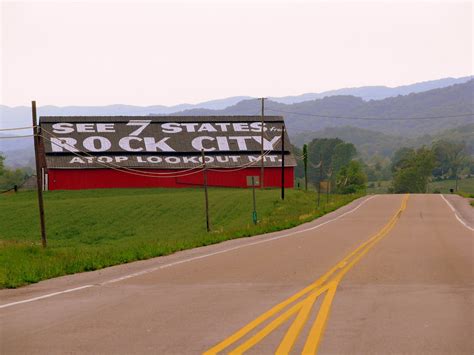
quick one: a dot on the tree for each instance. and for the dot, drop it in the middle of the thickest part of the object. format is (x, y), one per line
(400, 157)
(351, 178)
(343, 154)
(299, 169)
(413, 170)
(10, 177)
(450, 157)
(2, 165)
(333, 153)
(378, 168)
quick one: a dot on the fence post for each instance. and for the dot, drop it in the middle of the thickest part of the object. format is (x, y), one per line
(254, 213)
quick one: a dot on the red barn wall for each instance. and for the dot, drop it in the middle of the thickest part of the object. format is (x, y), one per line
(77, 179)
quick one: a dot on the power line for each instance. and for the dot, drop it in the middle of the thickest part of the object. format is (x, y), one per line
(299, 157)
(132, 172)
(16, 128)
(246, 165)
(152, 174)
(373, 118)
(14, 137)
(262, 129)
(116, 165)
(243, 166)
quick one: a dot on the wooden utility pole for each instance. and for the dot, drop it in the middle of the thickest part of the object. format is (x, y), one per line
(283, 162)
(328, 186)
(39, 176)
(262, 99)
(208, 228)
(305, 161)
(320, 177)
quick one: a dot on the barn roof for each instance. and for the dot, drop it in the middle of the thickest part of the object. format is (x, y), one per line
(162, 142)
(160, 118)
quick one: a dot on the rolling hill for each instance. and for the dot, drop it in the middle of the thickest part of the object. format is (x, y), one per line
(21, 115)
(450, 101)
(306, 120)
(375, 92)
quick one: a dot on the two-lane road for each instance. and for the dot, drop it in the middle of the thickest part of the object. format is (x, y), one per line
(386, 274)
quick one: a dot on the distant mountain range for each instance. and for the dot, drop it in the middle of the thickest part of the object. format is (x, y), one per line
(315, 115)
(303, 118)
(21, 115)
(367, 93)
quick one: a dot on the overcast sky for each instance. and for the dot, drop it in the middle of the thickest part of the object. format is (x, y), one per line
(98, 53)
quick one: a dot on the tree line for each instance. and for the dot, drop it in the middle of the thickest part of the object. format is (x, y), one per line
(9, 178)
(413, 169)
(333, 161)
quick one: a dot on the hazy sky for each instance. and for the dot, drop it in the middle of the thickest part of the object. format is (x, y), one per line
(97, 53)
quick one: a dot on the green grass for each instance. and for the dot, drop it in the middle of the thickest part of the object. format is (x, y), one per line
(465, 194)
(465, 187)
(91, 229)
(382, 189)
(468, 195)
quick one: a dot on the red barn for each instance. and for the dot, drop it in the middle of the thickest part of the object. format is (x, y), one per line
(163, 151)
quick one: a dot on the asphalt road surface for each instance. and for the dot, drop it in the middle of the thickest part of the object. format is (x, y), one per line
(390, 274)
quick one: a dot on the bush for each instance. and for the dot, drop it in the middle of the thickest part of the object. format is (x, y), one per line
(351, 189)
(412, 171)
(351, 178)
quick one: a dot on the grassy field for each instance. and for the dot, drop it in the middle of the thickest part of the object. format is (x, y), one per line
(92, 229)
(465, 186)
(382, 189)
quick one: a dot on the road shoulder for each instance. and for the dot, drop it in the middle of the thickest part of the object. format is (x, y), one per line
(462, 208)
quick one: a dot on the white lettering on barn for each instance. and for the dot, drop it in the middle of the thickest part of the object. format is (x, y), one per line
(96, 144)
(61, 144)
(173, 160)
(148, 142)
(152, 145)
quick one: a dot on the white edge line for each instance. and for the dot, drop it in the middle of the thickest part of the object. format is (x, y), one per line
(455, 213)
(45, 296)
(233, 248)
(188, 260)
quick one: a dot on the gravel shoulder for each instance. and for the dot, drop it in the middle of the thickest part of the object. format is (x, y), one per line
(463, 208)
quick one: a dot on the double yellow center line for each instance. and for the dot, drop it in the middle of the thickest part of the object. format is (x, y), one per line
(302, 303)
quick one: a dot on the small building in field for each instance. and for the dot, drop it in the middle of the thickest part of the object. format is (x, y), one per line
(163, 151)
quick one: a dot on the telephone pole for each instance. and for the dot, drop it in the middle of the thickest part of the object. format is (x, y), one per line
(262, 99)
(208, 228)
(328, 187)
(305, 160)
(283, 162)
(320, 177)
(39, 177)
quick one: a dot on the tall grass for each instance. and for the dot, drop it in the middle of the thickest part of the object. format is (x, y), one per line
(93, 229)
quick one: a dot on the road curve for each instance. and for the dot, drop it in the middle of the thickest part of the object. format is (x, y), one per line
(377, 276)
